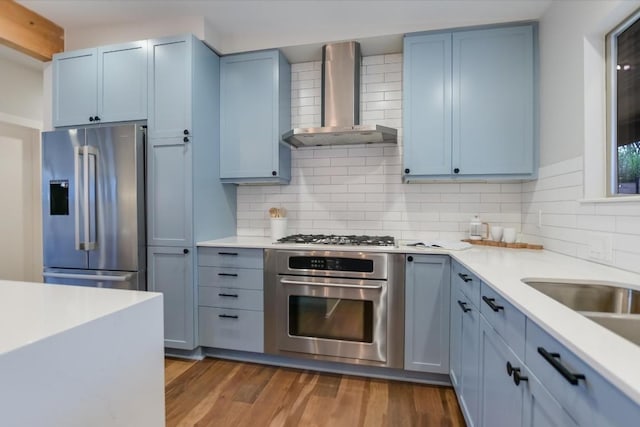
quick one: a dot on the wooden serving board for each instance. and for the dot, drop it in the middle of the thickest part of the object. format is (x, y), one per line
(521, 245)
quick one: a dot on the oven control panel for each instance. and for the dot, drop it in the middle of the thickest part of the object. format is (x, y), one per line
(331, 264)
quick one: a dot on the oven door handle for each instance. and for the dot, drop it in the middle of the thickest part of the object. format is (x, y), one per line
(331, 285)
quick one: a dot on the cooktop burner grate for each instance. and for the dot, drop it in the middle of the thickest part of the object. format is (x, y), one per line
(345, 240)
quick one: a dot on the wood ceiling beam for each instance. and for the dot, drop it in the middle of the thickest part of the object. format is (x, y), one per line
(28, 32)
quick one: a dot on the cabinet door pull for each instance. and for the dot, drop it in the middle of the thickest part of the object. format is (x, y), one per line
(227, 316)
(491, 302)
(228, 274)
(517, 377)
(465, 277)
(553, 359)
(228, 295)
(515, 372)
(228, 253)
(463, 306)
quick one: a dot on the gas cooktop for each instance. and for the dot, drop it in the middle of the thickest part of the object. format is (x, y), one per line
(332, 239)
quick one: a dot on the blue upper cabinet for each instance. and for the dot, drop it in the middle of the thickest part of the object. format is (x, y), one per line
(170, 87)
(105, 84)
(469, 105)
(493, 101)
(122, 82)
(427, 105)
(255, 110)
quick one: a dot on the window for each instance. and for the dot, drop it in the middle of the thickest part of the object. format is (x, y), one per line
(623, 75)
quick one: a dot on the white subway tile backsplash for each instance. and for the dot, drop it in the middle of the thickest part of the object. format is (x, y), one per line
(383, 87)
(567, 223)
(358, 189)
(373, 60)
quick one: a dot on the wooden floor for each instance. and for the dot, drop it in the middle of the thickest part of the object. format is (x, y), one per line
(222, 393)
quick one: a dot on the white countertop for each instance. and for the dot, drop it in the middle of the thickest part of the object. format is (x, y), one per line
(614, 357)
(30, 312)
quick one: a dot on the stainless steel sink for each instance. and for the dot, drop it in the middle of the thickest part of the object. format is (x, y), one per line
(591, 297)
(613, 307)
(625, 325)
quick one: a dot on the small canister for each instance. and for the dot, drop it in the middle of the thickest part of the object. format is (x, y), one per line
(478, 230)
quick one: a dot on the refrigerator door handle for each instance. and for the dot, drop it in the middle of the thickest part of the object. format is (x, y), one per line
(124, 278)
(77, 154)
(90, 181)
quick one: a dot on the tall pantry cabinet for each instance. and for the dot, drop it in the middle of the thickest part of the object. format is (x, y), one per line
(186, 202)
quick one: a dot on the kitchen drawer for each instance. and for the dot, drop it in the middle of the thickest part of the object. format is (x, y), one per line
(467, 282)
(230, 298)
(231, 329)
(229, 277)
(507, 321)
(230, 257)
(592, 401)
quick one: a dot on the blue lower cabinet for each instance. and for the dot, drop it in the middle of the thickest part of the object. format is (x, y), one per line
(584, 394)
(427, 296)
(502, 378)
(540, 408)
(170, 271)
(469, 380)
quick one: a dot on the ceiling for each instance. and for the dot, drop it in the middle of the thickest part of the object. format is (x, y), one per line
(299, 27)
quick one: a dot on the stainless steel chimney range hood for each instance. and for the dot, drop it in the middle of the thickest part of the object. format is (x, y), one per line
(340, 115)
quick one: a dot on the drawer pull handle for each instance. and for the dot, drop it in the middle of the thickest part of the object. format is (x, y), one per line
(515, 372)
(465, 277)
(553, 359)
(228, 295)
(491, 302)
(228, 253)
(228, 274)
(227, 316)
(463, 306)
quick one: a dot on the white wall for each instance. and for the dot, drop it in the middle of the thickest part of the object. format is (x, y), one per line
(358, 189)
(573, 142)
(20, 94)
(84, 37)
(21, 118)
(20, 216)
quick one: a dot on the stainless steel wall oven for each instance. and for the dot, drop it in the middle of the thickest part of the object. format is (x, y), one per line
(345, 306)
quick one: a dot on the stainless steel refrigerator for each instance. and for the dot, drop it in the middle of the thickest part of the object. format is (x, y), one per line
(93, 207)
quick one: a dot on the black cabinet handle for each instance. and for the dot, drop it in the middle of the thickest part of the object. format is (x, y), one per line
(96, 118)
(228, 274)
(229, 295)
(515, 372)
(185, 139)
(465, 277)
(274, 173)
(491, 302)
(227, 316)
(553, 359)
(517, 377)
(407, 170)
(185, 251)
(456, 170)
(509, 369)
(90, 118)
(409, 258)
(463, 306)
(186, 131)
(228, 253)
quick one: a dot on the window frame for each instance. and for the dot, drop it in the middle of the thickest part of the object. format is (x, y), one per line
(611, 74)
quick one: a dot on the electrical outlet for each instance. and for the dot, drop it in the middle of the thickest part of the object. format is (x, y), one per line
(601, 247)
(539, 218)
